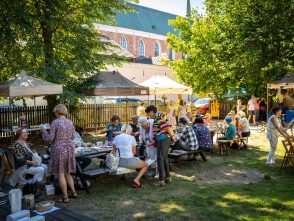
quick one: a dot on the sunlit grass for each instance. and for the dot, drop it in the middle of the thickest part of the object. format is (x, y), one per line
(191, 197)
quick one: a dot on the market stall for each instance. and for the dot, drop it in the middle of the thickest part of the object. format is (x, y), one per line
(284, 89)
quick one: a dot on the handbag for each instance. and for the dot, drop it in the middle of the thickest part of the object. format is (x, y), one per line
(37, 158)
(30, 188)
(112, 161)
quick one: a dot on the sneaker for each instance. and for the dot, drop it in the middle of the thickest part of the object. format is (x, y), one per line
(156, 176)
(150, 173)
(168, 180)
(161, 184)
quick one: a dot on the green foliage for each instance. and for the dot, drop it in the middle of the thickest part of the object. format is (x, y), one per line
(237, 43)
(55, 40)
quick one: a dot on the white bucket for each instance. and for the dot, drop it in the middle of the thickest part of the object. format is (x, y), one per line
(50, 190)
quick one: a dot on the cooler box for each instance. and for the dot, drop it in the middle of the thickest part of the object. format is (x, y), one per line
(289, 115)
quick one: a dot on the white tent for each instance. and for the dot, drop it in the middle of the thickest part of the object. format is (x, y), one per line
(163, 85)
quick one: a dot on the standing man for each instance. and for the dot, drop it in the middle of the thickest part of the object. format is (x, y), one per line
(163, 134)
(251, 109)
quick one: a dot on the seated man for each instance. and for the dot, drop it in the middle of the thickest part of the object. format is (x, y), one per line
(203, 134)
(113, 129)
(187, 139)
(135, 127)
(24, 163)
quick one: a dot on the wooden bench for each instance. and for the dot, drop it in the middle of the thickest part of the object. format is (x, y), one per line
(176, 155)
(224, 146)
(83, 174)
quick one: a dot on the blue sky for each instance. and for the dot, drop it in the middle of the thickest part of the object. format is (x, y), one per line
(177, 7)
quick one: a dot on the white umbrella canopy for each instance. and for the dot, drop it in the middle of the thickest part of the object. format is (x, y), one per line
(163, 85)
(24, 85)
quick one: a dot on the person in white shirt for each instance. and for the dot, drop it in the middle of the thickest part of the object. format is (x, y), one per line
(245, 124)
(251, 109)
(141, 110)
(126, 144)
(146, 138)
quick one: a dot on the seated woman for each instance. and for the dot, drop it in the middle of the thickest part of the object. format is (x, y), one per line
(202, 134)
(126, 144)
(187, 139)
(239, 126)
(24, 164)
(135, 127)
(78, 141)
(245, 124)
(231, 131)
(113, 129)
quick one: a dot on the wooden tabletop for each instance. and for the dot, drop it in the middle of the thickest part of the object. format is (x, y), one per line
(58, 215)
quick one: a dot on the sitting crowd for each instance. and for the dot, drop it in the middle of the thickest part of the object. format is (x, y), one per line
(154, 133)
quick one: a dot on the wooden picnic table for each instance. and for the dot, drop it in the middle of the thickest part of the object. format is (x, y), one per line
(58, 215)
(92, 153)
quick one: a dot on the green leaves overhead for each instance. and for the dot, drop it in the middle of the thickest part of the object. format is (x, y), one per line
(54, 40)
(237, 43)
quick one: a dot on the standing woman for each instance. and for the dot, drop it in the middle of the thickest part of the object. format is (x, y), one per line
(239, 105)
(274, 126)
(171, 113)
(62, 162)
(182, 109)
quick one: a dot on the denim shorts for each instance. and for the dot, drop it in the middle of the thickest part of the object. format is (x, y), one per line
(131, 163)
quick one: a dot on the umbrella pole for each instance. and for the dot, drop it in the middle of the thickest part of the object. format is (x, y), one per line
(34, 107)
(267, 105)
(95, 118)
(126, 109)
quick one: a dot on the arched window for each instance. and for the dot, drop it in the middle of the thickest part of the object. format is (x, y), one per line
(123, 43)
(104, 35)
(171, 55)
(141, 49)
(156, 50)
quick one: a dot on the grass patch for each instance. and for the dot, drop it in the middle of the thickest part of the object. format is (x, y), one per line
(213, 190)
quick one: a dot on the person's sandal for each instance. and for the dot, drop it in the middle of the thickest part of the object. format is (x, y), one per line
(161, 184)
(73, 195)
(64, 200)
(137, 185)
(168, 180)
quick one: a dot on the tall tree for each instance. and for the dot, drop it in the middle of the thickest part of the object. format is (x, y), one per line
(237, 43)
(55, 39)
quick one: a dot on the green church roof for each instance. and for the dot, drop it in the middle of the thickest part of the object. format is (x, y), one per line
(146, 19)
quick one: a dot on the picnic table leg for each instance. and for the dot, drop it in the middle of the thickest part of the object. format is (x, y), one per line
(82, 177)
(227, 147)
(203, 156)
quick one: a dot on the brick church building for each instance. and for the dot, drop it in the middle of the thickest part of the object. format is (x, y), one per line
(143, 33)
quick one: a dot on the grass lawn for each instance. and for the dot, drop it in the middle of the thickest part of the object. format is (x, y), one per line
(236, 187)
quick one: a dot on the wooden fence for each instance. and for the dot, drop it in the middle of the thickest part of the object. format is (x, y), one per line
(87, 116)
